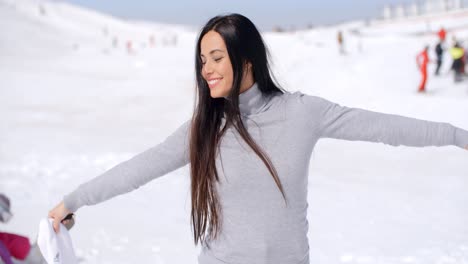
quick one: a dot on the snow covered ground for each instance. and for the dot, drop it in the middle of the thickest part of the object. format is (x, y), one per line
(72, 106)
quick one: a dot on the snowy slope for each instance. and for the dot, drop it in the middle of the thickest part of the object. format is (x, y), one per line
(72, 106)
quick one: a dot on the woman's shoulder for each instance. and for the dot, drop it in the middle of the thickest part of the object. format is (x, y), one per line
(300, 99)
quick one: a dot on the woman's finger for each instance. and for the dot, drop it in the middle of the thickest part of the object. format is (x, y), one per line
(56, 224)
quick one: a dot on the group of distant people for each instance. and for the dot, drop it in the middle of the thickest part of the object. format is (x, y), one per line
(457, 53)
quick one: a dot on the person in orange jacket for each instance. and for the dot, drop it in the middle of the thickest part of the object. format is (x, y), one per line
(422, 59)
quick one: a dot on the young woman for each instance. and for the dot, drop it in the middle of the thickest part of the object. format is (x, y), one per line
(249, 144)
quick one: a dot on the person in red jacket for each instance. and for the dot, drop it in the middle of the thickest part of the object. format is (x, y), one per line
(442, 34)
(422, 60)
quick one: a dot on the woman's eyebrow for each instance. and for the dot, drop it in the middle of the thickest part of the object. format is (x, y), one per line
(213, 51)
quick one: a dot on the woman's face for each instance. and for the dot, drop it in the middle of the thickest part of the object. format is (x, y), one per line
(217, 68)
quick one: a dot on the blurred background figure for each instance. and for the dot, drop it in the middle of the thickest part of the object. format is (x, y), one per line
(129, 47)
(442, 34)
(439, 51)
(5, 213)
(340, 40)
(42, 10)
(458, 65)
(152, 41)
(422, 59)
(14, 248)
(115, 42)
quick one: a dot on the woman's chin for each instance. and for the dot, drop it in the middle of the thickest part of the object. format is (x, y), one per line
(215, 94)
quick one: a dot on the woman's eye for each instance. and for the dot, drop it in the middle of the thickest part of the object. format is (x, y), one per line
(218, 59)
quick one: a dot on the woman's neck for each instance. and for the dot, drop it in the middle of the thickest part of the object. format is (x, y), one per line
(247, 82)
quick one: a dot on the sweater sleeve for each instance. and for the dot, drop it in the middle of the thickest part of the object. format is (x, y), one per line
(127, 176)
(354, 124)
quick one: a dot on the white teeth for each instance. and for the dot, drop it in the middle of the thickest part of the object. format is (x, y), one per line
(213, 81)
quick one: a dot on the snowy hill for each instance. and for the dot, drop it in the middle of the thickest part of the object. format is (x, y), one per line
(74, 102)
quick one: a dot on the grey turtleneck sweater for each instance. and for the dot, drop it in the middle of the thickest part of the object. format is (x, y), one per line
(257, 226)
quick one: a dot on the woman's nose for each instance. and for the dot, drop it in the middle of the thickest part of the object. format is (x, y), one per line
(207, 68)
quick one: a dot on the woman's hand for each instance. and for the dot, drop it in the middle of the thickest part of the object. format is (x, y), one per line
(58, 214)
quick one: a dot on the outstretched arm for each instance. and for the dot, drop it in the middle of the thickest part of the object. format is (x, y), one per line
(155, 162)
(346, 123)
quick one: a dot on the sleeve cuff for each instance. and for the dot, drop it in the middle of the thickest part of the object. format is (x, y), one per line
(461, 138)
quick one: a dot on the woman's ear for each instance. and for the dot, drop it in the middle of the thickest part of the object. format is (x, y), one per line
(249, 66)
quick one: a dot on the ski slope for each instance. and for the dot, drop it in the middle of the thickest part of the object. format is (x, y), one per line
(72, 105)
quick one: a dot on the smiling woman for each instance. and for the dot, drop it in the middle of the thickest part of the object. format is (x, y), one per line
(249, 144)
(217, 67)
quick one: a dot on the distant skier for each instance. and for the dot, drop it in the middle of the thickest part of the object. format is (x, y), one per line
(115, 42)
(442, 34)
(340, 40)
(129, 47)
(422, 59)
(42, 10)
(152, 41)
(458, 64)
(439, 50)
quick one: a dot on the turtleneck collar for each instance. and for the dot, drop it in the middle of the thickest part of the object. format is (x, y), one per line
(251, 101)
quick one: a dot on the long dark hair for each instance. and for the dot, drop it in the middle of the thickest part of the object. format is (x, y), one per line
(244, 44)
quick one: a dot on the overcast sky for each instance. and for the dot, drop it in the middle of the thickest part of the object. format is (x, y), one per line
(264, 13)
